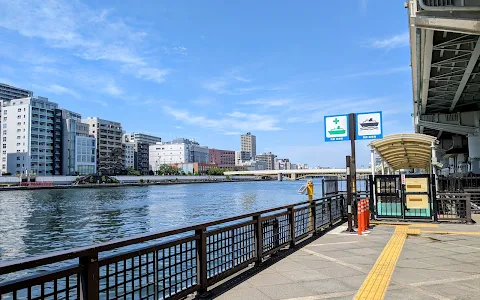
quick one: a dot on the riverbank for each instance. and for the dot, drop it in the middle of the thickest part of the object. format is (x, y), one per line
(130, 184)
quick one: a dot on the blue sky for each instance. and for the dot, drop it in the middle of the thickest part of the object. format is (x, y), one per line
(211, 70)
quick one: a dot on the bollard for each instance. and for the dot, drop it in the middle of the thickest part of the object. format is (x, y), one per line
(359, 216)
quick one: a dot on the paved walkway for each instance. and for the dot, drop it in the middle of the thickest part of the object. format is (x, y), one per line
(391, 262)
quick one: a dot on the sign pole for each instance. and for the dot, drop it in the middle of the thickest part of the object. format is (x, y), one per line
(353, 166)
(349, 196)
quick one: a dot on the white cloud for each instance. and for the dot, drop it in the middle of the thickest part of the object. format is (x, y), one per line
(180, 50)
(396, 41)
(235, 120)
(57, 89)
(88, 34)
(112, 89)
(378, 72)
(268, 102)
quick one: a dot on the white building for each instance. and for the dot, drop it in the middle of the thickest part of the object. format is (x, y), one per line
(241, 157)
(175, 152)
(30, 136)
(85, 155)
(269, 158)
(129, 155)
(248, 143)
(141, 138)
(283, 164)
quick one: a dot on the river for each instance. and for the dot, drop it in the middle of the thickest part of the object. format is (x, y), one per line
(41, 221)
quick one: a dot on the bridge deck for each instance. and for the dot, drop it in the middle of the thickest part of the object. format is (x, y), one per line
(391, 262)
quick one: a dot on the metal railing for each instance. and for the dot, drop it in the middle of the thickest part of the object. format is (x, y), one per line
(453, 207)
(474, 200)
(169, 264)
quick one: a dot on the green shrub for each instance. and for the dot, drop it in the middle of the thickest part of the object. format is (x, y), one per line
(148, 180)
(141, 180)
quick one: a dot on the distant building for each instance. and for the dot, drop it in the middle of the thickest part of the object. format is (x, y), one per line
(241, 157)
(302, 166)
(129, 149)
(269, 158)
(283, 164)
(31, 136)
(78, 146)
(8, 92)
(110, 152)
(141, 157)
(141, 138)
(248, 143)
(222, 158)
(175, 152)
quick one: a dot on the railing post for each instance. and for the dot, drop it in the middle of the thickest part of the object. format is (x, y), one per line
(202, 260)
(313, 209)
(329, 203)
(276, 241)
(89, 277)
(258, 239)
(468, 209)
(291, 213)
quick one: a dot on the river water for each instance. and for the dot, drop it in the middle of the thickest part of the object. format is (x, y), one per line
(41, 221)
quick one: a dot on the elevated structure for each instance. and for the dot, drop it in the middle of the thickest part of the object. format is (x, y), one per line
(445, 50)
(297, 174)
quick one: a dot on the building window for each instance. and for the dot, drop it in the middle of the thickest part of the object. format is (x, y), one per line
(4, 112)
(4, 118)
(18, 157)
(19, 110)
(4, 139)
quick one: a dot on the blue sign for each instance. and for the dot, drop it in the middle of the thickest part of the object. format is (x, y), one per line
(336, 128)
(369, 126)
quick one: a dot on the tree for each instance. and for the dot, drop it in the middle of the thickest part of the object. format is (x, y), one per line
(215, 171)
(132, 172)
(165, 169)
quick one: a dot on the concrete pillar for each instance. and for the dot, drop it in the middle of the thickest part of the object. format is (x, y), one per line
(474, 153)
(293, 176)
(280, 177)
(434, 164)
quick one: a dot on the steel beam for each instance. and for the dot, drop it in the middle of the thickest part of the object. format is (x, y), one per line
(427, 61)
(458, 129)
(465, 26)
(466, 76)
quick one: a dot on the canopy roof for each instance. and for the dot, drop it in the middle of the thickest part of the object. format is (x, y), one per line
(406, 150)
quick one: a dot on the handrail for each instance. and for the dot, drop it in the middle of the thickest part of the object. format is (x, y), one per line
(204, 257)
(40, 260)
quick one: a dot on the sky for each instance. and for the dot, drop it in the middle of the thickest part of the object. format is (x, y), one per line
(212, 70)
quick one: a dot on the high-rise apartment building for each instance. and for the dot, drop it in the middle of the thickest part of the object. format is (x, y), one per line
(222, 158)
(269, 158)
(8, 92)
(175, 152)
(248, 143)
(141, 157)
(31, 136)
(110, 152)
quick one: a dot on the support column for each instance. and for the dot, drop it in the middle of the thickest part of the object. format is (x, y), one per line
(434, 165)
(474, 153)
(373, 184)
(280, 177)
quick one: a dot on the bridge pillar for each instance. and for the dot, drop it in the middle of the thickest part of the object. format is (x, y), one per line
(280, 177)
(293, 176)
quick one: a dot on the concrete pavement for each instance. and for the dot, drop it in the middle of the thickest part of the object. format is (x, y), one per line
(344, 266)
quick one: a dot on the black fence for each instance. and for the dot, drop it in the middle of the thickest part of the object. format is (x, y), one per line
(169, 264)
(458, 184)
(453, 207)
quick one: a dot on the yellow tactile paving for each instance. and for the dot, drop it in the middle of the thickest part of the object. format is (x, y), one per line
(375, 285)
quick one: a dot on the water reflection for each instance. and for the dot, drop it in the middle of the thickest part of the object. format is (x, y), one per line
(34, 222)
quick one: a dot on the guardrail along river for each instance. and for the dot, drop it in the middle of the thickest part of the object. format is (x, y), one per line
(41, 221)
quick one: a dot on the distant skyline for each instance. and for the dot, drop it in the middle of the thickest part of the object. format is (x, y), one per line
(211, 71)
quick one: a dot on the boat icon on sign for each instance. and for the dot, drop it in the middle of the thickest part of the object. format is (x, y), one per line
(369, 124)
